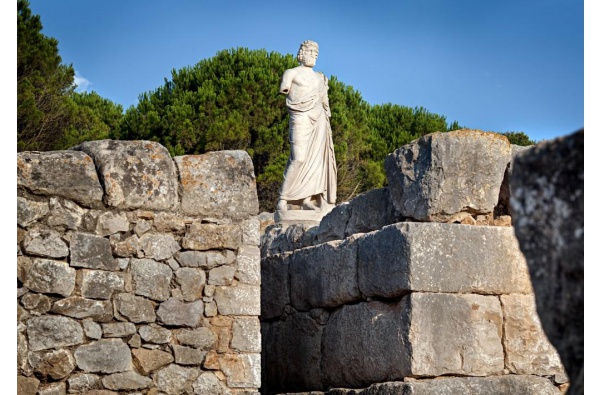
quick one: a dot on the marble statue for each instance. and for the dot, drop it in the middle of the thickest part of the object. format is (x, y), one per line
(310, 178)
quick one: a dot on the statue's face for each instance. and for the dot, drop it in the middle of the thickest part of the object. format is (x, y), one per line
(308, 56)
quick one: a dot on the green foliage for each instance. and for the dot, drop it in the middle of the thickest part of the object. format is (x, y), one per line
(519, 138)
(43, 85)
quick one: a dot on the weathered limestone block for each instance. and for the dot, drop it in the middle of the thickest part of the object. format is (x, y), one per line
(65, 214)
(242, 370)
(118, 329)
(171, 222)
(57, 364)
(201, 236)
(104, 356)
(126, 381)
(432, 257)
(53, 389)
(366, 343)
(246, 334)
(527, 348)
(280, 238)
(92, 252)
(496, 385)
(78, 307)
(46, 243)
(333, 225)
(503, 207)
(27, 385)
(92, 329)
(251, 231)
(68, 174)
(442, 174)
(291, 357)
(155, 334)
(83, 382)
(29, 211)
(455, 334)
(110, 223)
(218, 184)
(135, 174)
(188, 355)
(135, 308)
(151, 279)
(148, 361)
(221, 275)
(177, 313)
(191, 281)
(51, 277)
(242, 299)
(201, 338)
(248, 265)
(547, 205)
(36, 304)
(370, 211)
(205, 259)
(175, 379)
(209, 384)
(324, 275)
(100, 284)
(130, 247)
(275, 289)
(141, 227)
(23, 267)
(50, 331)
(159, 246)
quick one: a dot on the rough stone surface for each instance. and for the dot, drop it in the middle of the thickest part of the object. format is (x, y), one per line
(53, 389)
(246, 334)
(240, 300)
(29, 211)
(50, 331)
(175, 379)
(148, 361)
(280, 238)
(248, 263)
(242, 370)
(251, 231)
(201, 236)
(433, 257)
(67, 174)
(188, 355)
(158, 246)
(218, 184)
(151, 279)
(51, 277)
(118, 329)
(527, 348)
(202, 338)
(27, 385)
(126, 381)
(55, 363)
(135, 174)
(110, 223)
(192, 283)
(209, 384)
(503, 207)
(275, 289)
(104, 356)
(547, 205)
(325, 275)
(100, 284)
(455, 334)
(36, 303)
(83, 382)
(155, 334)
(135, 308)
(65, 214)
(93, 252)
(92, 329)
(469, 163)
(221, 275)
(178, 313)
(78, 307)
(46, 243)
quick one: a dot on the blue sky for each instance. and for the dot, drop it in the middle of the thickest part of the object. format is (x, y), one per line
(500, 66)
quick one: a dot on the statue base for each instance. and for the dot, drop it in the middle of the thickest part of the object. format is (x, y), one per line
(310, 217)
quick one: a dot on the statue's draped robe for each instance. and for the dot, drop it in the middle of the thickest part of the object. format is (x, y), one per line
(310, 133)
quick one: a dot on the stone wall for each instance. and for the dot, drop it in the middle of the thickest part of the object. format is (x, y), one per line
(138, 273)
(416, 288)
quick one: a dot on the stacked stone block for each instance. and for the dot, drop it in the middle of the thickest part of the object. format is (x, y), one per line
(385, 311)
(137, 272)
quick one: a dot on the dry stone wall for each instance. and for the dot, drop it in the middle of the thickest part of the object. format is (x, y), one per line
(137, 273)
(406, 289)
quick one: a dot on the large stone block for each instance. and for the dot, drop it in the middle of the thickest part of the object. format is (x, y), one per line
(104, 356)
(527, 348)
(175, 379)
(92, 252)
(177, 313)
(68, 174)
(241, 370)
(135, 174)
(442, 174)
(433, 257)
(50, 331)
(275, 285)
(242, 299)
(324, 275)
(547, 205)
(151, 279)
(53, 277)
(217, 184)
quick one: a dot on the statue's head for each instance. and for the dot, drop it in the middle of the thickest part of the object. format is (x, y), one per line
(308, 53)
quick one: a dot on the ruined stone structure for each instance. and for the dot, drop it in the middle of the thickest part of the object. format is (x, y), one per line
(138, 273)
(418, 288)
